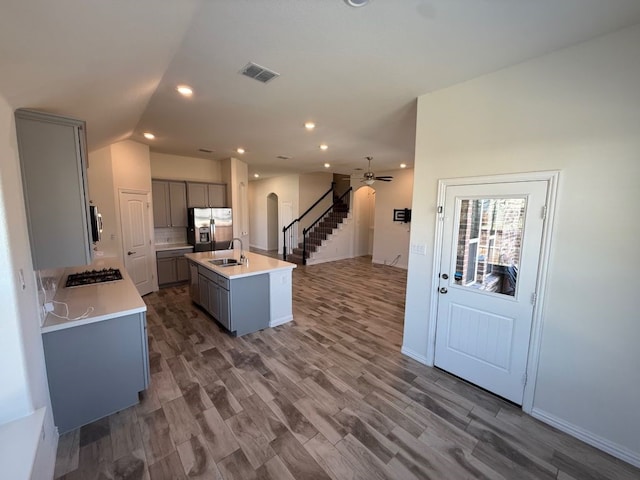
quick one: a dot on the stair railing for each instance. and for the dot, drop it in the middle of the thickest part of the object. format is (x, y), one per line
(288, 230)
(339, 201)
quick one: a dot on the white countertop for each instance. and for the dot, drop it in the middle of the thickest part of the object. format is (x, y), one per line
(257, 264)
(19, 440)
(109, 300)
(160, 247)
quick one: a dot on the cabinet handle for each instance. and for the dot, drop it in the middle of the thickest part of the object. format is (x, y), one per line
(130, 253)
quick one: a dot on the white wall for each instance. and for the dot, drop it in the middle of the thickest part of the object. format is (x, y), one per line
(178, 167)
(101, 188)
(122, 165)
(391, 239)
(235, 173)
(363, 209)
(578, 111)
(22, 370)
(287, 189)
(312, 187)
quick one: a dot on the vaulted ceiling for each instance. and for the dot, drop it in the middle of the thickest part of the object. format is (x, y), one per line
(355, 72)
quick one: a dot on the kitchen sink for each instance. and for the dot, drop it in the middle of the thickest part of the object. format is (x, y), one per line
(224, 262)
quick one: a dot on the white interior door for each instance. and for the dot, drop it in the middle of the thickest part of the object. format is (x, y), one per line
(136, 240)
(492, 235)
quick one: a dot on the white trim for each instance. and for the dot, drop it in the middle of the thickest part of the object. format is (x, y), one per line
(280, 321)
(586, 436)
(416, 356)
(535, 342)
(552, 179)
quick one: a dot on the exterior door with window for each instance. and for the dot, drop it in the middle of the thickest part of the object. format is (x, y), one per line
(492, 236)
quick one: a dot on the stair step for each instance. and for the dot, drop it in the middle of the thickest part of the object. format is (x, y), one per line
(293, 258)
(320, 232)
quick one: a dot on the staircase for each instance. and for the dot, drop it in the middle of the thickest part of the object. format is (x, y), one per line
(320, 232)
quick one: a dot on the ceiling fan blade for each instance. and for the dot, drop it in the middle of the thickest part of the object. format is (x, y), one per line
(383, 179)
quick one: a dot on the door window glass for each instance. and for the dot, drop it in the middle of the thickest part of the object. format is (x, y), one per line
(489, 244)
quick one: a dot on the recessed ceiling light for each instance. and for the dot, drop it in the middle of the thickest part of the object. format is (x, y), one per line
(256, 175)
(184, 90)
(356, 3)
(240, 150)
(324, 146)
(309, 125)
(403, 165)
(149, 135)
(327, 165)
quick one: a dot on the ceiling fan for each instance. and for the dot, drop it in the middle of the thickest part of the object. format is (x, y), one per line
(369, 177)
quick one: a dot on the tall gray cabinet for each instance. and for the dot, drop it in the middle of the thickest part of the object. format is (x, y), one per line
(53, 160)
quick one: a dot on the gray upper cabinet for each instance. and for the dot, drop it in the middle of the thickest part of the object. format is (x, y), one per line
(206, 194)
(160, 194)
(178, 204)
(217, 194)
(169, 203)
(197, 195)
(53, 163)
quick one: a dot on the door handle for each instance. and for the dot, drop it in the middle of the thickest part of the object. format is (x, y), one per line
(443, 290)
(130, 253)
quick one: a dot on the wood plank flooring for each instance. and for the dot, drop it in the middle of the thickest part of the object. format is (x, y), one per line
(328, 396)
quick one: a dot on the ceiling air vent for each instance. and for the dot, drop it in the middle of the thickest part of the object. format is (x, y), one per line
(258, 73)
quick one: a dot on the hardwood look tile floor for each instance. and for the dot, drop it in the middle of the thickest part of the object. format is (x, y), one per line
(327, 396)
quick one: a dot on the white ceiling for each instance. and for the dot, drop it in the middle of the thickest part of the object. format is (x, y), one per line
(356, 72)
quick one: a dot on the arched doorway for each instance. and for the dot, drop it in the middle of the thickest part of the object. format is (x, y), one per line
(364, 208)
(272, 222)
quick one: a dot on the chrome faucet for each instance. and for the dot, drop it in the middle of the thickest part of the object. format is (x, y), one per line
(242, 257)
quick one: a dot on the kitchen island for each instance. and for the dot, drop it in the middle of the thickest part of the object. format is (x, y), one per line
(96, 365)
(243, 298)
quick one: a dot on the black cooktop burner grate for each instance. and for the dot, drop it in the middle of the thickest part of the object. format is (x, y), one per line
(90, 277)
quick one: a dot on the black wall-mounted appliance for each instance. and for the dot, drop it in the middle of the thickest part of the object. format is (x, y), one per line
(96, 223)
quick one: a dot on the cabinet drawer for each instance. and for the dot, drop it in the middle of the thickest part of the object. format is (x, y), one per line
(205, 272)
(173, 253)
(223, 282)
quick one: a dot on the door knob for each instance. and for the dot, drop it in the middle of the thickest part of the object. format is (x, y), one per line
(443, 290)
(130, 253)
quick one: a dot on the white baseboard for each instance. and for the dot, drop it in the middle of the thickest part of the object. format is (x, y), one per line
(596, 441)
(416, 356)
(280, 321)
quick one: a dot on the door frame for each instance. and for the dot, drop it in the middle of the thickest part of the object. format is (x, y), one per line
(552, 178)
(151, 265)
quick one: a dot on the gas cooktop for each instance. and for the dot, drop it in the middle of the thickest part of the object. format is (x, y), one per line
(89, 277)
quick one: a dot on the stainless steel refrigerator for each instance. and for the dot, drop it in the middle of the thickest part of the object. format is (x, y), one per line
(209, 228)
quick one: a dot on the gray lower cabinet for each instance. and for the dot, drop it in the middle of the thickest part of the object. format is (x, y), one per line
(241, 305)
(166, 271)
(96, 369)
(172, 266)
(182, 269)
